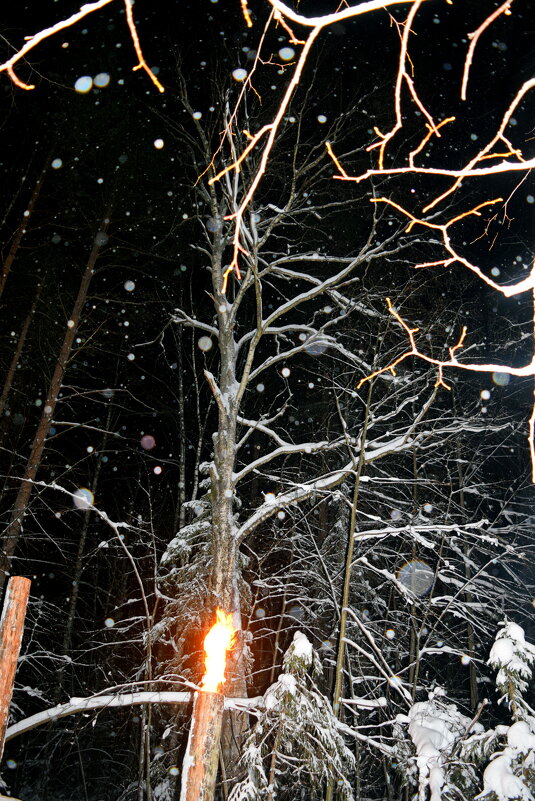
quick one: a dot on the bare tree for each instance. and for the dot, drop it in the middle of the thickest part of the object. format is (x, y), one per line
(295, 313)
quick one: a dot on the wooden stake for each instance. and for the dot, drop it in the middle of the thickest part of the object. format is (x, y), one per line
(199, 771)
(11, 629)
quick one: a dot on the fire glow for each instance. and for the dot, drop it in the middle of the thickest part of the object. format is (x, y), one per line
(216, 644)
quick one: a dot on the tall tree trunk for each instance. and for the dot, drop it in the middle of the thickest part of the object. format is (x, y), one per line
(344, 603)
(8, 381)
(23, 227)
(224, 547)
(180, 512)
(20, 506)
(470, 637)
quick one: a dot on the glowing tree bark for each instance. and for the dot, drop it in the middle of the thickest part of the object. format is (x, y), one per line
(11, 629)
(199, 771)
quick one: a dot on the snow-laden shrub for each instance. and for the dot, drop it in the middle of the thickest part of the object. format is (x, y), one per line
(513, 657)
(454, 755)
(436, 729)
(296, 740)
(510, 774)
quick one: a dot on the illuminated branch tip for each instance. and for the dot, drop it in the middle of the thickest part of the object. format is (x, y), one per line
(246, 13)
(282, 22)
(333, 157)
(505, 8)
(142, 65)
(87, 8)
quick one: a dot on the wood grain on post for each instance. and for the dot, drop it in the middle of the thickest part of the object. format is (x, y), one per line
(199, 772)
(11, 629)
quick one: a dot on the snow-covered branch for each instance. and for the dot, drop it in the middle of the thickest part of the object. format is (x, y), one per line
(337, 16)
(76, 705)
(181, 317)
(286, 449)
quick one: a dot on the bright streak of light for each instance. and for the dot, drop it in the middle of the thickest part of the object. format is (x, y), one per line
(216, 644)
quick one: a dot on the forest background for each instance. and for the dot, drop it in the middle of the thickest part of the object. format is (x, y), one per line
(197, 409)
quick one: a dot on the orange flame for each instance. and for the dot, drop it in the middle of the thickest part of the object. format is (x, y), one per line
(216, 644)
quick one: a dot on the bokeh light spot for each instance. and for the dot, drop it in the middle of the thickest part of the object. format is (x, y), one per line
(417, 577)
(286, 53)
(83, 498)
(501, 379)
(101, 80)
(83, 84)
(204, 343)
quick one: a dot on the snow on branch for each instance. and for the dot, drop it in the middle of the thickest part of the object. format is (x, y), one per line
(284, 450)
(181, 317)
(486, 367)
(297, 494)
(108, 701)
(337, 16)
(303, 491)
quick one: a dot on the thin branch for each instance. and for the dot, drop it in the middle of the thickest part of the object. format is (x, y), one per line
(505, 8)
(87, 8)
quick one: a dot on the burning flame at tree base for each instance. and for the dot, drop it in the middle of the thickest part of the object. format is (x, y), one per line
(216, 644)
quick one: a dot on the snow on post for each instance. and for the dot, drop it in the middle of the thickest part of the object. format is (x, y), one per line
(11, 629)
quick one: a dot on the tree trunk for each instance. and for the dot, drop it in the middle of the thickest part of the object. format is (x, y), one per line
(225, 549)
(11, 630)
(470, 636)
(20, 506)
(339, 670)
(180, 511)
(199, 772)
(8, 381)
(23, 227)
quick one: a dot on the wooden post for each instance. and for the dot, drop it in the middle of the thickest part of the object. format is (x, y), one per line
(11, 628)
(199, 770)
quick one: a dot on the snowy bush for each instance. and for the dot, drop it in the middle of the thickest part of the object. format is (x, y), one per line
(512, 657)
(454, 754)
(436, 729)
(296, 738)
(510, 773)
